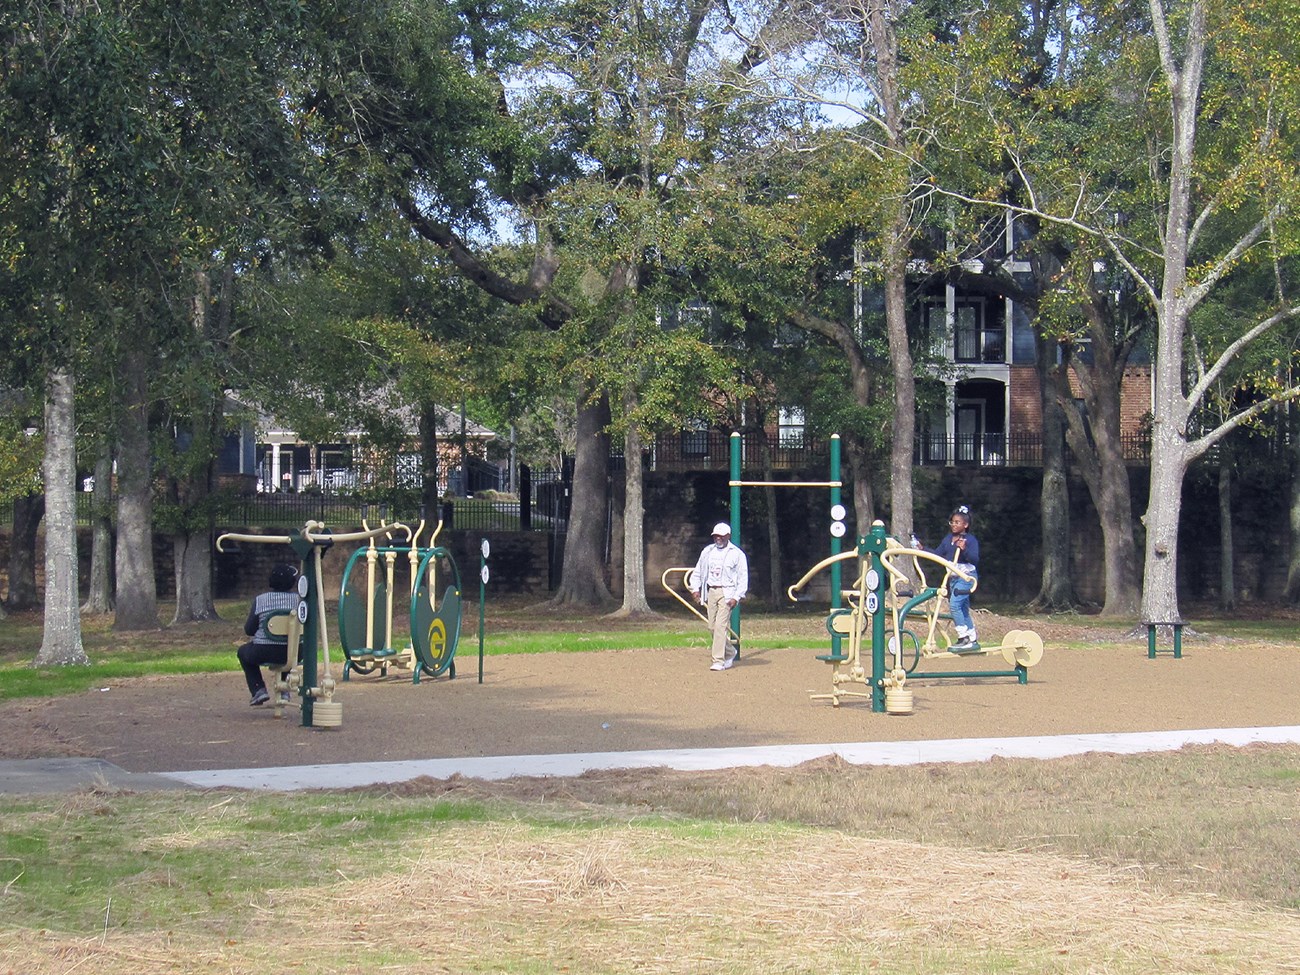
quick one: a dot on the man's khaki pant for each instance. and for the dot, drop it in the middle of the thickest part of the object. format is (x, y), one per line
(719, 615)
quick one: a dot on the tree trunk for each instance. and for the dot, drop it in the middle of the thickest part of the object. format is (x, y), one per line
(864, 498)
(634, 598)
(192, 542)
(1293, 565)
(196, 480)
(904, 432)
(137, 591)
(582, 580)
(896, 235)
(1100, 455)
(61, 639)
(776, 588)
(1170, 453)
(1227, 584)
(28, 512)
(1056, 591)
(99, 597)
(193, 557)
(430, 497)
(1123, 576)
(1168, 468)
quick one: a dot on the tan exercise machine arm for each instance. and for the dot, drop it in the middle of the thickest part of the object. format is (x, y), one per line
(308, 532)
(793, 591)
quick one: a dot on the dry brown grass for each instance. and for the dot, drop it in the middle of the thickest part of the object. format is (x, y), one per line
(514, 897)
(1212, 819)
(1177, 863)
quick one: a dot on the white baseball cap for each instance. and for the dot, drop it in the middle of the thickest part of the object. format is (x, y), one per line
(721, 528)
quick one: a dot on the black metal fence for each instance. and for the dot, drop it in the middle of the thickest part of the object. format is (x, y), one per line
(711, 450)
(691, 450)
(488, 510)
(1006, 450)
(542, 502)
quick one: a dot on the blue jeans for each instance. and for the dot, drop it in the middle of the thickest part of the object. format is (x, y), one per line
(959, 601)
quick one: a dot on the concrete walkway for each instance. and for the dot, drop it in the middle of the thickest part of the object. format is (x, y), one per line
(36, 775)
(71, 774)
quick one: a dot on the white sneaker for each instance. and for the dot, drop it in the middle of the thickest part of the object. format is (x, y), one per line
(718, 665)
(728, 663)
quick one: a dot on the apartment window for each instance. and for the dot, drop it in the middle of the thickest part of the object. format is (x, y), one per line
(695, 438)
(936, 329)
(976, 336)
(790, 427)
(408, 471)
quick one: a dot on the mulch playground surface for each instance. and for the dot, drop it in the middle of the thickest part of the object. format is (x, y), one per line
(629, 700)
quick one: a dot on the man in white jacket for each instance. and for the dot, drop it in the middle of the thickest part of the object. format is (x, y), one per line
(719, 582)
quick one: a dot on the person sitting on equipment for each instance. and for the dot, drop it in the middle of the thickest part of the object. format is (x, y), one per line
(961, 547)
(265, 648)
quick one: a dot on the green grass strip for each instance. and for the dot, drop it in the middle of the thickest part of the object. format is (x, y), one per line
(19, 680)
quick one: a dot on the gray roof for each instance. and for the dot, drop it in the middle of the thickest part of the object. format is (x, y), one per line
(270, 428)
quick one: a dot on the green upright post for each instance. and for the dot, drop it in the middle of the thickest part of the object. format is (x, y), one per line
(836, 587)
(735, 521)
(305, 551)
(874, 545)
(482, 598)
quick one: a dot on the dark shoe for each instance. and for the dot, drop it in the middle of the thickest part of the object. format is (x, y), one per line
(284, 696)
(259, 697)
(965, 645)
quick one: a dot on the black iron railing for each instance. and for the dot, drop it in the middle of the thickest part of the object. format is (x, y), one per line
(337, 503)
(691, 450)
(487, 510)
(1006, 450)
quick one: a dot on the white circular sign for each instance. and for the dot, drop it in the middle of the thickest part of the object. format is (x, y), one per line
(873, 579)
(837, 529)
(485, 548)
(838, 511)
(484, 575)
(302, 612)
(873, 602)
(302, 586)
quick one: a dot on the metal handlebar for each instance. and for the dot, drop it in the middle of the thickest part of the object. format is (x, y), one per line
(237, 537)
(824, 563)
(307, 533)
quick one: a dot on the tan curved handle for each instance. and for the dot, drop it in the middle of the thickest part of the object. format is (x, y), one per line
(824, 563)
(915, 553)
(256, 539)
(685, 571)
(310, 533)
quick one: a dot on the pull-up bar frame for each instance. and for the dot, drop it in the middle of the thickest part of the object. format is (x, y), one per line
(835, 485)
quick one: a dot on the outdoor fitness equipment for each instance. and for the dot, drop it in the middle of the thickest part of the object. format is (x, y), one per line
(882, 603)
(735, 483)
(284, 679)
(435, 629)
(1021, 649)
(362, 606)
(315, 684)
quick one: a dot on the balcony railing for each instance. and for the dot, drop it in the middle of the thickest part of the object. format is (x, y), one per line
(1006, 450)
(704, 450)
